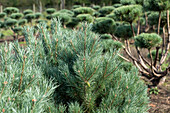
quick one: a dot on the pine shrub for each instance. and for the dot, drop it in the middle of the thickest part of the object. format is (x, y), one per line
(2, 24)
(28, 11)
(16, 16)
(128, 13)
(127, 2)
(64, 18)
(88, 80)
(124, 31)
(66, 11)
(83, 10)
(104, 25)
(10, 22)
(96, 7)
(22, 22)
(10, 10)
(106, 10)
(2, 15)
(50, 11)
(38, 15)
(147, 40)
(85, 17)
(30, 17)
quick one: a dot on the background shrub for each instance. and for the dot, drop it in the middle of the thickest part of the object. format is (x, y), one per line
(2, 15)
(83, 10)
(16, 16)
(146, 40)
(28, 11)
(104, 25)
(106, 10)
(85, 17)
(10, 10)
(50, 11)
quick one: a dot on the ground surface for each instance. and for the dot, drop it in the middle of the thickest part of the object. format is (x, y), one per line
(161, 103)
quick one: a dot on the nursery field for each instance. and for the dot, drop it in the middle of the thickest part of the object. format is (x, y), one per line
(87, 59)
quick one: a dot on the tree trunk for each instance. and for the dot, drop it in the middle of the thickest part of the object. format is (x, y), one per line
(40, 7)
(138, 25)
(1, 8)
(146, 25)
(62, 4)
(159, 22)
(168, 27)
(34, 8)
(132, 29)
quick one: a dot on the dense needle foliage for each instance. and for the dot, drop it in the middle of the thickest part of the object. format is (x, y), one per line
(88, 79)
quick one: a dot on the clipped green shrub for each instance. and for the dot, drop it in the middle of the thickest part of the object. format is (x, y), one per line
(16, 16)
(156, 5)
(17, 29)
(106, 10)
(96, 14)
(6, 18)
(49, 17)
(109, 44)
(106, 36)
(22, 22)
(41, 21)
(27, 11)
(112, 15)
(10, 10)
(146, 40)
(127, 2)
(73, 23)
(30, 17)
(1, 34)
(10, 22)
(50, 11)
(85, 17)
(153, 18)
(2, 15)
(64, 18)
(96, 7)
(38, 15)
(66, 11)
(128, 13)
(83, 10)
(76, 6)
(117, 5)
(104, 25)
(124, 31)
(2, 24)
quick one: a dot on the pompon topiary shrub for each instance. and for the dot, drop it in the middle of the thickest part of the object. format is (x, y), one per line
(2, 15)
(89, 80)
(106, 10)
(83, 10)
(50, 11)
(10, 10)
(85, 18)
(104, 25)
(16, 16)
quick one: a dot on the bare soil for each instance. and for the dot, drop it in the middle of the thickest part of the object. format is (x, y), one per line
(161, 103)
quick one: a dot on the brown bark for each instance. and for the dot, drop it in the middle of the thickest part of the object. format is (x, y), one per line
(159, 22)
(132, 29)
(138, 26)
